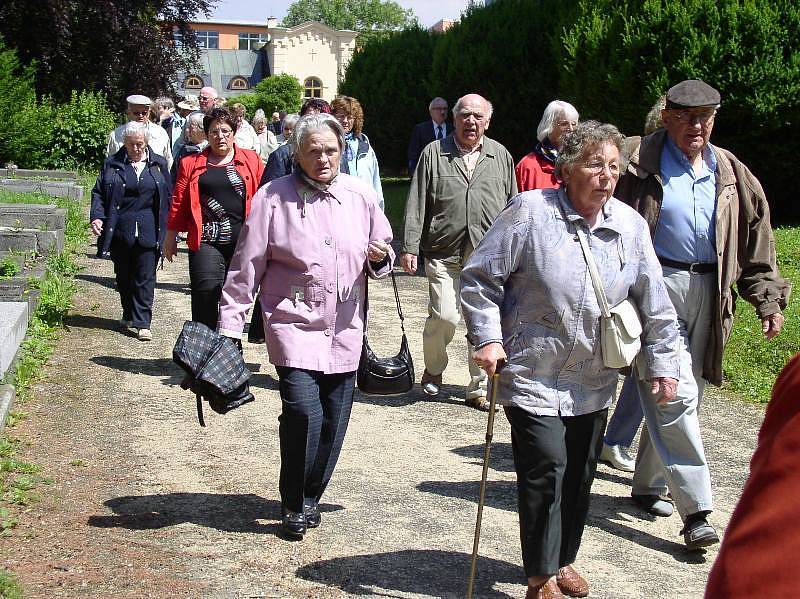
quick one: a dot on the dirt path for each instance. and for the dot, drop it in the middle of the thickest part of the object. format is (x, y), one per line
(145, 503)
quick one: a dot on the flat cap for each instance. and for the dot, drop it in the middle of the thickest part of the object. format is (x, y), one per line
(138, 99)
(692, 93)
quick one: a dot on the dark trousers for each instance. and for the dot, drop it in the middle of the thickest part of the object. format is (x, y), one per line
(135, 270)
(313, 421)
(555, 458)
(208, 267)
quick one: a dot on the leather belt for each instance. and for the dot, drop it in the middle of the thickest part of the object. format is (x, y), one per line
(697, 268)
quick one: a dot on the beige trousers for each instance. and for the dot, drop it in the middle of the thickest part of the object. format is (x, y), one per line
(444, 314)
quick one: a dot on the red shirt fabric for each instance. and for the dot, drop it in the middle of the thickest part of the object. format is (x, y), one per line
(186, 214)
(535, 172)
(763, 536)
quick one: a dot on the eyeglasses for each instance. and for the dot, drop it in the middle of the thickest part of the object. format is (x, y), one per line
(597, 167)
(570, 124)
(341, 116)
(140, 112)
(690, 116)
(205, 98)
(220, 132)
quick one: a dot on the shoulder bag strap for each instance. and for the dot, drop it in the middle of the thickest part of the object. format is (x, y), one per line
(595, 276)
(396, 299)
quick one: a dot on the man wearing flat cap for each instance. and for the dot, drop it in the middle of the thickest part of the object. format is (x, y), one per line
(709, 221)
(139, 110)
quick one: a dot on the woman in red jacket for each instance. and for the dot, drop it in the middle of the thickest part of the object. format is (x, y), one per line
(211, 201)
(537, 169)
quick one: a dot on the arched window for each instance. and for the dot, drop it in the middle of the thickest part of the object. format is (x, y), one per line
(238, 83)
(193, 82)
(313, 87)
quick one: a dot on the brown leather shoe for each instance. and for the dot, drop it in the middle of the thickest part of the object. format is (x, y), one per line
(548, 590)
(571, 583)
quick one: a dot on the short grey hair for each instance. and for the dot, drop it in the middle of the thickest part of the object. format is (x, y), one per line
(457, 107)
(165, 102)
(551, 113)
(311, 123)
(588, 134)
(437, 100)
(291, 119)
(136, 128)
(196, 119)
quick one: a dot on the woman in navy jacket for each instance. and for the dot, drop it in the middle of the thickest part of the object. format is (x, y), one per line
(130, 203)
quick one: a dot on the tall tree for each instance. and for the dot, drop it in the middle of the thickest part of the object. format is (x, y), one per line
(371, 18)
(116, 46)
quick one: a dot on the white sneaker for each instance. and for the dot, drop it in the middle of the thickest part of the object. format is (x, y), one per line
(145, 335)
(618, 457)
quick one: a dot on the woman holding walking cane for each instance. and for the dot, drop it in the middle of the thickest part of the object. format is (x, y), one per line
(528, 300)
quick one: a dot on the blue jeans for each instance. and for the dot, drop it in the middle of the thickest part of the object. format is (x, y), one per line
(313, 421)
(627, 416)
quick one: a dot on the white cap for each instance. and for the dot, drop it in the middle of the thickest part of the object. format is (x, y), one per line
(138, 99)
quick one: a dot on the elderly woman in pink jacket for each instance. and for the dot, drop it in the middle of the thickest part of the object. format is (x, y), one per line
(309, 242)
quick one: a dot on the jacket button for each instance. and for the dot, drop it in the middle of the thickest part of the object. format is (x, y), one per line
(327, 241)
(327, 332)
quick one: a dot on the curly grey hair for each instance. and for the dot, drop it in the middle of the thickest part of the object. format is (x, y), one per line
(311, 123)
(589, 134)
(135, 128)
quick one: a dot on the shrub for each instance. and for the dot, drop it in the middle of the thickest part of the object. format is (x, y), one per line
(273, 94)
(79, 132)
(390, 80)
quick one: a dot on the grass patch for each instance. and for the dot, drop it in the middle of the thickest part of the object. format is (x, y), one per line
(9, 589)
(752, 363)
(395, 193)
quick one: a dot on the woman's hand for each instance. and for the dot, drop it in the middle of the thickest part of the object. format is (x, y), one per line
(97, 226)
(377, 250)
(170, 244)
(664, 388)
(488, 356)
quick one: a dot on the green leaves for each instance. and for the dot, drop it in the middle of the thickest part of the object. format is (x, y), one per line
(273, 94)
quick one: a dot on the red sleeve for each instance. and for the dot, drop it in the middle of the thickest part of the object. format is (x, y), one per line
(764, 531)
(181, 211)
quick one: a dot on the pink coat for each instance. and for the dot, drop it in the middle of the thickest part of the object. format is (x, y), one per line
(306, 249)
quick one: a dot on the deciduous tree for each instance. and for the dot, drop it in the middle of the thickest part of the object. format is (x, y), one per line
(371, 18)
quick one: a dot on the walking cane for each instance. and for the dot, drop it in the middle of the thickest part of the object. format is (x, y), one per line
(482, 495)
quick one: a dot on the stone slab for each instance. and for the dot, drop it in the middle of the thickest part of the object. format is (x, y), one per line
(58, 189)
(31, 240)
(24, 173)
(47, 217)
(7, 396)
(13, 326)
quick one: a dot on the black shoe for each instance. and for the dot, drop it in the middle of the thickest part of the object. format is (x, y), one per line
(294, 524)
(698, 533)
(311, 512)
(653, 504)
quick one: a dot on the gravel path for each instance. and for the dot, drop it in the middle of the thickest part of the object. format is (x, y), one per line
(145, 503)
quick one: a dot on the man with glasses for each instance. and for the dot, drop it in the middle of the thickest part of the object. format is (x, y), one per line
(460, 185)
(139, 108)
(207, 98)
(428, 131)
(709, 221)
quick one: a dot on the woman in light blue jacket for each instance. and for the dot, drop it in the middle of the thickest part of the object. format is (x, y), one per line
(359, 158)
(528, 301)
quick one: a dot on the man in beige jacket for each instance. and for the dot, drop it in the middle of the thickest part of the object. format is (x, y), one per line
(460, 185)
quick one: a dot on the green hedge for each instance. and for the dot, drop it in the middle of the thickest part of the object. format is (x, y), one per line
(612, 59)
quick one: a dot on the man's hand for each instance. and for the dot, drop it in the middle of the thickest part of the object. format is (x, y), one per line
(664, 388)
(97, 226)
(771, 325)
(170, 244)
(488, 356)
(409, 263)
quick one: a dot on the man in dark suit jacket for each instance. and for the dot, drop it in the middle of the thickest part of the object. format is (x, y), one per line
(425, 133)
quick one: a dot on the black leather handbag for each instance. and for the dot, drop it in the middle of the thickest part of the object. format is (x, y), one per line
(385, 376)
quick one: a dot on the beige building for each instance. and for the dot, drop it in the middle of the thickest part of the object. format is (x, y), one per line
(235, 56)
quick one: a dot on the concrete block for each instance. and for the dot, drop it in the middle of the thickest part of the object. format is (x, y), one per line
(31, 240)
(7, 396)
(58, 189)
(13, 326)
(45, 217)
(24, 173)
